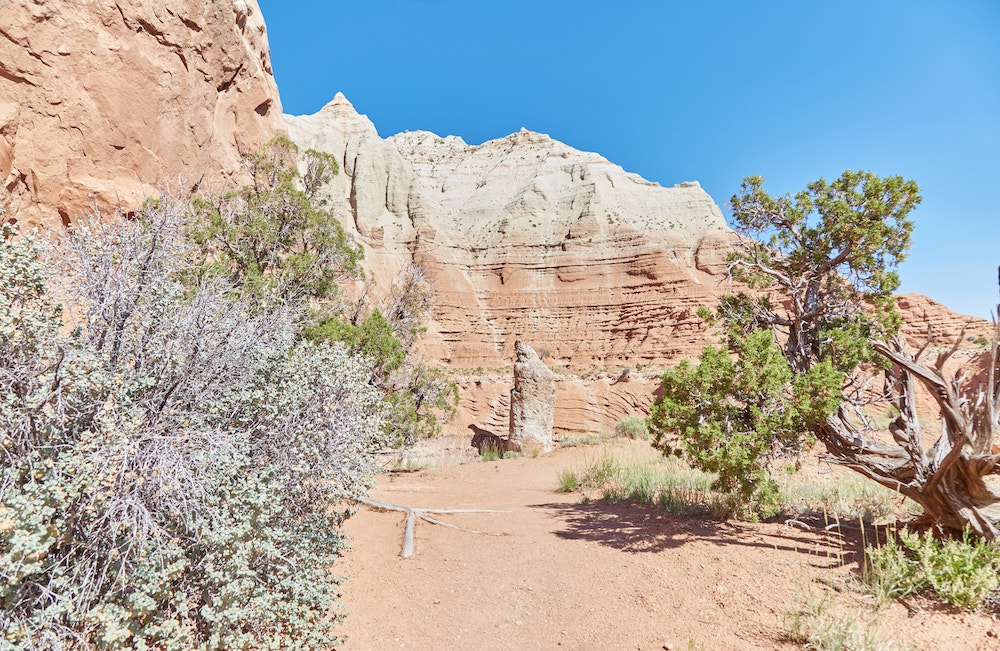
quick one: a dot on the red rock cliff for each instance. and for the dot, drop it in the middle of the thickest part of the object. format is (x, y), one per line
(106, 101)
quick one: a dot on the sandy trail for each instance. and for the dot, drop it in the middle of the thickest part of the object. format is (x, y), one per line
(572, 575)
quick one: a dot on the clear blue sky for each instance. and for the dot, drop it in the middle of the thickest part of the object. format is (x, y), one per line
(707, 91)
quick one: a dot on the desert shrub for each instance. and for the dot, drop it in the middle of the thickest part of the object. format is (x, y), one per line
(732, 415)
(372, 338)
(668, 484)
(961, 572)
(981, 341)
(634, 427)
(490, 452)
(273, 235)
(275, 239)
(569, 481)
(173, 459)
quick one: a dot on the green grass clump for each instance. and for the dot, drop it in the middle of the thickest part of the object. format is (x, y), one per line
(961, 572)
(841, 495)
(490, 452)
(820, 626)
(569, 481)
(667, 483)
(634, 427)
(579, 441)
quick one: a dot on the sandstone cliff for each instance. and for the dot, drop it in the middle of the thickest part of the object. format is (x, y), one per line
(590, 265)
(107, 101)
(595, 268)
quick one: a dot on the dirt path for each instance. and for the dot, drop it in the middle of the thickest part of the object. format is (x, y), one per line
(564, 574)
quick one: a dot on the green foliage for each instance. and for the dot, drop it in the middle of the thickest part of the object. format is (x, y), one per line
(273, 235)
(373, 340)
(837, 495)
(422, 399)
(173, 470)
(634, 427)
(490, 452)
(585, 439)
(817, 625)
(824, 260)
(981, 341)
(731, 415)
(274, 239)
(569, 481)
(961, 572)
(667, 484)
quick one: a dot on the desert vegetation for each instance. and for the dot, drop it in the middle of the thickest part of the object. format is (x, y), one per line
(812, 347)
(180, 437)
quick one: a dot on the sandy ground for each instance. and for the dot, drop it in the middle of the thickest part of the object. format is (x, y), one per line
(556, 572)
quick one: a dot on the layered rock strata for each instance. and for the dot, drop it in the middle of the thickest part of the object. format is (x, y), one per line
(525, 235)
(110, 102)
(598, 268)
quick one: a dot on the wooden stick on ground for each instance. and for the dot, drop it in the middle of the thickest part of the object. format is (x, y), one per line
(412, 513)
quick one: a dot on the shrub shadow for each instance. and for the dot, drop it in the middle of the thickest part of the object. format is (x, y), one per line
(636, 529)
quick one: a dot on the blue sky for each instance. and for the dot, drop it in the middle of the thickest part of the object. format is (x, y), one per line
(707, 91)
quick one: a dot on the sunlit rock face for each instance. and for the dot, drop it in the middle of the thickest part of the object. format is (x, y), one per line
(590, 265)
(109, 102)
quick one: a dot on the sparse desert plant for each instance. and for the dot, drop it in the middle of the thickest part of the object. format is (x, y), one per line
(961, 572)
(840, 495)
(569, 481)
(634, 427)
(664, 483)
(489, 452)
(408, 464)
(889, 572)
(819, 625)
(175, 462)
(586, 439)
(274, 237)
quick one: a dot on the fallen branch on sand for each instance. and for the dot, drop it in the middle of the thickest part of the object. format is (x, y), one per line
(412, 513)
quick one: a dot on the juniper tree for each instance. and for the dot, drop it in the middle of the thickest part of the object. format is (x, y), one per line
(820, 269)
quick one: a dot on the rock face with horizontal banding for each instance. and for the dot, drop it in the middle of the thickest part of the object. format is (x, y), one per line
(598, 268)
(594, 266)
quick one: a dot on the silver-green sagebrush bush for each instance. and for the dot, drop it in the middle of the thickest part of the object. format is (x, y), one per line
(173, 457)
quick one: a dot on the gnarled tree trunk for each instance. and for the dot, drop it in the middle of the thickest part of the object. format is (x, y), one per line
(948, 478)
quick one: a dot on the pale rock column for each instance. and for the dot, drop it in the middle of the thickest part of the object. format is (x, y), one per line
(532, 401)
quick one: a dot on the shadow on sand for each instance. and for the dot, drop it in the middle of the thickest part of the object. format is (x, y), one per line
(637, 529)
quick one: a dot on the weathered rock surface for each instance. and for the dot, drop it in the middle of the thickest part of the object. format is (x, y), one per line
(920, 313)
(532, 401)
(597, 267)
(108, 101)
(593, 265)
(583, 405)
